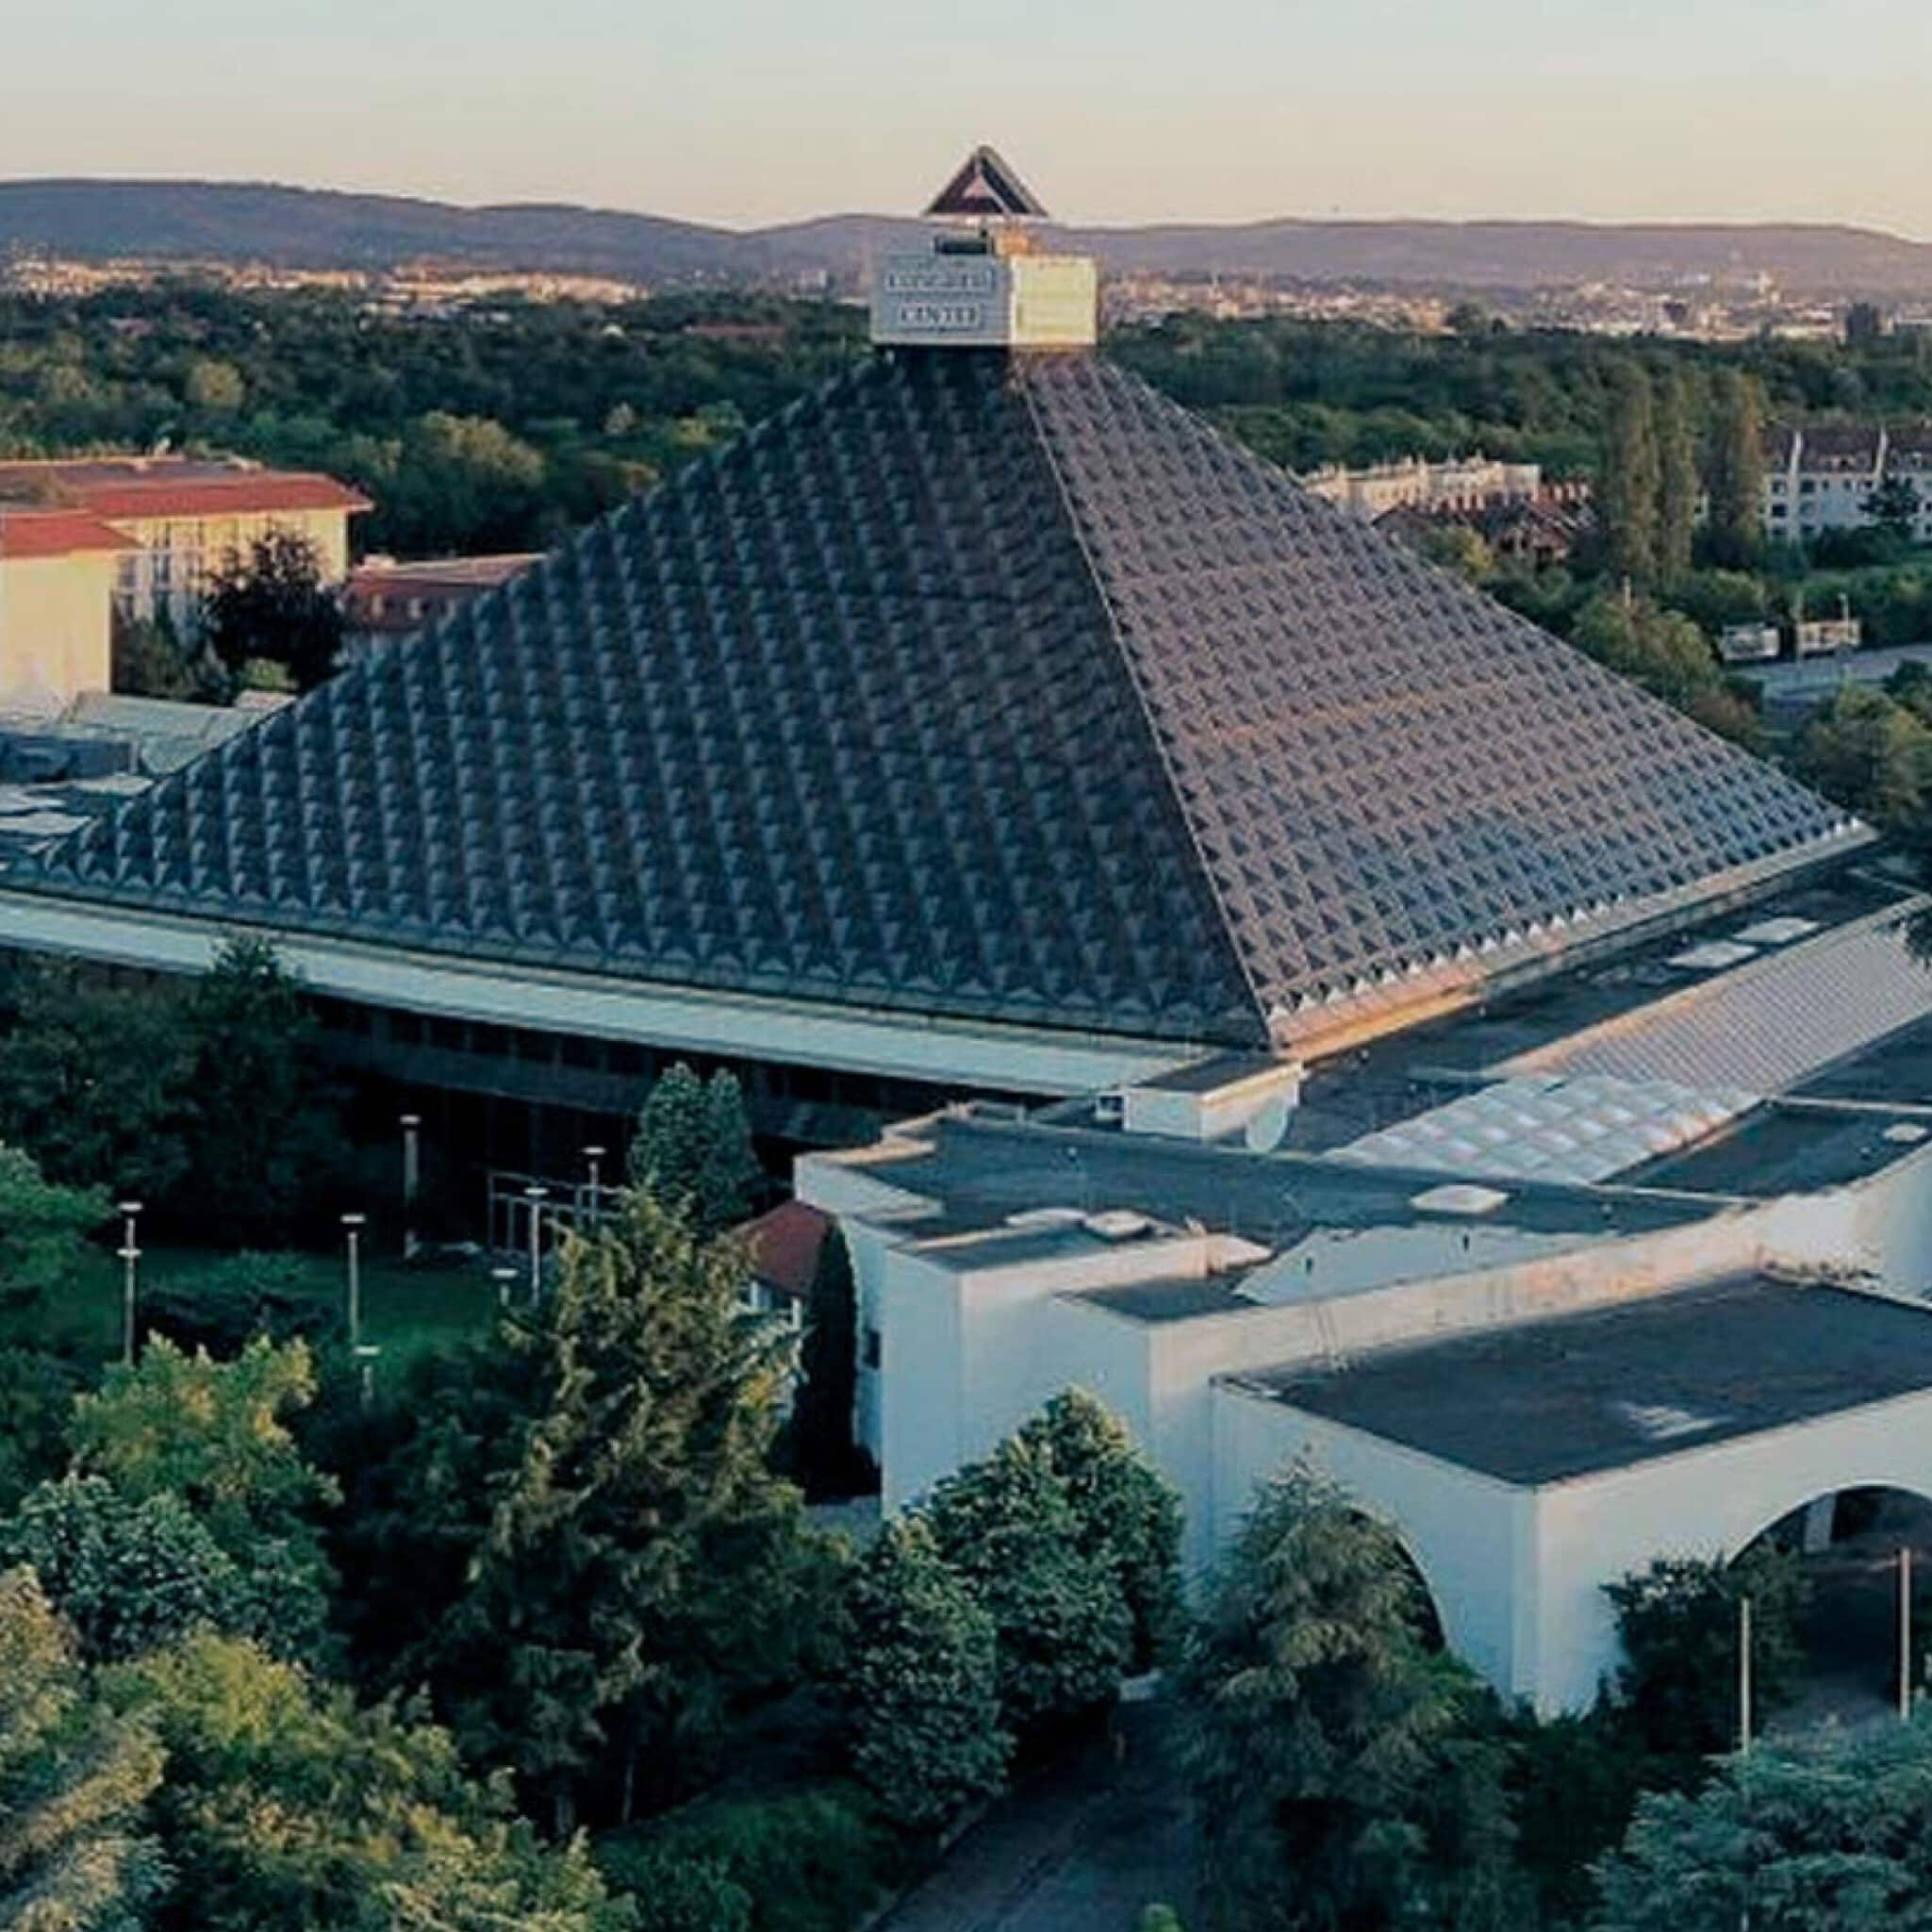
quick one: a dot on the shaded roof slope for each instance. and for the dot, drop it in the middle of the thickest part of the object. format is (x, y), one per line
(983, 686)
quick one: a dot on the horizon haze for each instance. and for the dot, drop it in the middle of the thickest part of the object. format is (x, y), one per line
(749, 113)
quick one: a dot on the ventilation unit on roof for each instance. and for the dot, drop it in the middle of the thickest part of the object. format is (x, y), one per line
(1906, 1132)
(1459, 1197)
(1046, 1217)
(1780, 932)
(1713, 956)
(1118, 1224)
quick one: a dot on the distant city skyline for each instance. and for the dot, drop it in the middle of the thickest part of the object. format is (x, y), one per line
(746, 112)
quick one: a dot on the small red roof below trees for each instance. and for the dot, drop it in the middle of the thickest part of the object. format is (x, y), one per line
(785, 1244)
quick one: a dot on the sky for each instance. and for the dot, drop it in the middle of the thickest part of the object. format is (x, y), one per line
(745, 112)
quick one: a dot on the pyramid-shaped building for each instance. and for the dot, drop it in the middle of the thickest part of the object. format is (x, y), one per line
(984, 689)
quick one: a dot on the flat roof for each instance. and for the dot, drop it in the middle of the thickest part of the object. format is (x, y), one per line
(1523, 1020)
(982, 1167)
(1546, 1402)
(1220, 1070)
(1788, 1148)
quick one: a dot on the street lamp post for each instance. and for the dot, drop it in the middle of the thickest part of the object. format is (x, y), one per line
(130, 1257)
(367, 1355)
(595, 1157)
(353, 1226)
(411, 1125)
(536, 1196)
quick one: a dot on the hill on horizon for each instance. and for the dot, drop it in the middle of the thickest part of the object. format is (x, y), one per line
(323, 228)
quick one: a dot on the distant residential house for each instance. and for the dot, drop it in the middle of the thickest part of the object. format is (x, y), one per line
(1460, 484)
(384, 599)
(1540, 533)
(1820, 478)
(183, 515)
(785, 1244)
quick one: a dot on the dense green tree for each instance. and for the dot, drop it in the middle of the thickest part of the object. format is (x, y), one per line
(1346, 1777)
(1735, 469)
(1870, 753)
(827, 1461)
(128, 1575)
(73, 1778)
(1127, 1514)
(266, 1141)
(1629, 479)
(921, 1682)
(44, 1231)
(216, 1435)
(684, 1893)
(94, 1081)
(1663, 650)
(1829, 1831)
(1678, 1620)
(693, 1149)
(1066, 1634)
(269, 604)
(642, 1564)
(1678, 483)
(419, 1490)
(37, 1392)
(1895, 507)
(151, 661)
(286, 1804)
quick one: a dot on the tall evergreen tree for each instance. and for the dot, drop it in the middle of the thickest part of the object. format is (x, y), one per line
(1735, 475)
(1628, 478)
(642, 1564)
(73, 1778)
(1676, 491)
(265, 1138)
(827, 1459)
(693, 1149)
(1342, 1773)
(921, 1682)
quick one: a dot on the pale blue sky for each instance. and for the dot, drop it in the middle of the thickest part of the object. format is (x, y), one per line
(746, 111)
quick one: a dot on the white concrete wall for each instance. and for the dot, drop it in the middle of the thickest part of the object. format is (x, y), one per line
(1696, 1503)
(1472, 1538)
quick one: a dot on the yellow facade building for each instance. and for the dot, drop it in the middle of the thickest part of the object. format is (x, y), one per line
(183, 516)
(56, 580)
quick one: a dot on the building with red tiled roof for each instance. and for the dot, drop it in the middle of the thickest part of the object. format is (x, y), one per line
(57, 573)
(183, 515)
(385, 599)
(785, 1244)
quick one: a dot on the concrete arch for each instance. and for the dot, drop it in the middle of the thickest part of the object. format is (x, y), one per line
(1708, 1502)
(1731, 1552)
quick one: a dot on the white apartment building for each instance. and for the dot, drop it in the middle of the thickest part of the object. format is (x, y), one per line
(1821, 478)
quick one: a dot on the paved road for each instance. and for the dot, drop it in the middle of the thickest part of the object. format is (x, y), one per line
(1080, 1849)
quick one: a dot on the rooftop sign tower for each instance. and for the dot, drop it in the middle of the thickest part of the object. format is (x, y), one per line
(980, 285)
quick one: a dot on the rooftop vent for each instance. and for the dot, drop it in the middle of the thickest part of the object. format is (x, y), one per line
(1118, 1224)
(1459, 1197)
(1046, 1217)
(1777, 932)
(1713, 956)
(1905, 1133)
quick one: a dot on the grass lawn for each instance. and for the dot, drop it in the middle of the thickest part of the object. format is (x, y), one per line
(405, 1311)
